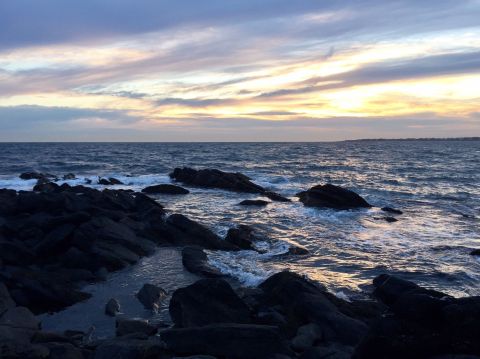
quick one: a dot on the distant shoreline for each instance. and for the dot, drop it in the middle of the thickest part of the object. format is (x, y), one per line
(242, 142)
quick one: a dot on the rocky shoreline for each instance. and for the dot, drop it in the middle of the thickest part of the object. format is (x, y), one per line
(57, 238)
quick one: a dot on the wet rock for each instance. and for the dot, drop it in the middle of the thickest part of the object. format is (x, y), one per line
(183, 231)
(304, 303)
(6, 301)
(46, 187)
(241, 236)
(390, 219)
(114, 181)
(475, 252)
(151, 296)
(235, 341)
(306, 337)
(214, 178)
(37, 176)
(104, 182)
(166, 189)
(49, 337)
(254, 202)
(297, 250)
(391, 210)
(64, 351)
(207, 301)
(69, 176)
(112, 308)
(129, 326)
(195, 260)
(330, 196)
(276, 197)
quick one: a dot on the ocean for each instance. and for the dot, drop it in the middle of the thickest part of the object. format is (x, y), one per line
(435, 183)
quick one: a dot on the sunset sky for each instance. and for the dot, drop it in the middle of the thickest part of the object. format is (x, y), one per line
(238, 70)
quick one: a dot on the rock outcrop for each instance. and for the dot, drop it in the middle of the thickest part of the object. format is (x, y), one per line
(330, 196)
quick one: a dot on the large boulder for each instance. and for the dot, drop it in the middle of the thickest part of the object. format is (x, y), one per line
(330, 196)
(234, 341)
(305, 302)
(207, 301)
(38, 176)
(214, 178)
(126, 326)
(112, 308)
(254, 202)
(195, 260)
(166, 189)
(422, 323)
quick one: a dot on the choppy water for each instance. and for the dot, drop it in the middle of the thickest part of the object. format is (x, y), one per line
(435, 183)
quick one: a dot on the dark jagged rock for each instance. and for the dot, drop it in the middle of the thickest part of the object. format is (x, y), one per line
(214, 178)
(297, 250)
(109, 182)
(114, 181)
(304, 303)
(330, 196)
(46, 187)
(182, 231)
(253, 202)
(69, 176)
(242, 236)
(207, 301)
(235, 341)
(390, 219)
(151, 296)
(391, 210)
(422, 323)
(112, 308)
(166, 189)
(195, 260)
(475, 252)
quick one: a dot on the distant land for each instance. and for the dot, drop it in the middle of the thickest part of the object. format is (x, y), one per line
(417, 139)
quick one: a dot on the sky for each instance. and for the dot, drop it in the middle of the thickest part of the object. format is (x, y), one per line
(238, 70)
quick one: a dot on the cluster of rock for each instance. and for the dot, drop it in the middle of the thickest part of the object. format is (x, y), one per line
(58, 237)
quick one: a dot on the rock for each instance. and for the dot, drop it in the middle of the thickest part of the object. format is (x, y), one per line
(306, 337)
(37, 176)
(6, 301)
(253, 202)
(49, 337)
(330, 196)
(195, 260)
(114, 181)
(64, 351)
(242, 236)
(475, 252)
(235, 341)
(207, 301)
(130, 326)
(104, 182)
(122, 348)
(391, 210)
(390, 219)
(297, 250)
(46, 187)
(332, 351)
(112, 308)
(151, 296)
(275, 197)
(69, 176)
(214, 178)
(390, 288)
(56, 241)
(166, 189)
(15, 253)
(304, 303)
(183, 231)
(19, 317)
